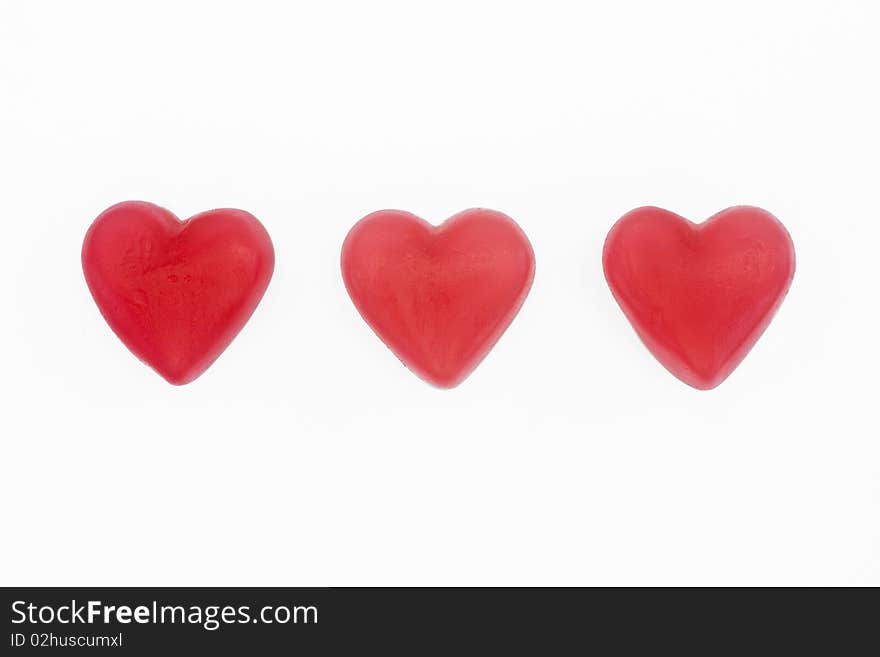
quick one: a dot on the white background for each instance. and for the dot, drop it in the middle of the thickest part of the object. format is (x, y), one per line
(307, 455)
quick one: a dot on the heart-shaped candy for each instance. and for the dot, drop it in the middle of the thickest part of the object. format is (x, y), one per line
(438, 297)
(699, 295)
(176, 292)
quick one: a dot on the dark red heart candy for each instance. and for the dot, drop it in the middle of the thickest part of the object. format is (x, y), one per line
(176, 292)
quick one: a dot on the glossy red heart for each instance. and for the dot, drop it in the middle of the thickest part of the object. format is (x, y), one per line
(699, 295)
(438, 297)
(176, 292)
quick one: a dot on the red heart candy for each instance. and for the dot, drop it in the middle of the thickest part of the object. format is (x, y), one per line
(176, 292)
(438, 297)
(699, 295)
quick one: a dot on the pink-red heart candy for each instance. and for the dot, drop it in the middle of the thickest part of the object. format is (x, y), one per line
(699, 295)
(438, 297)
